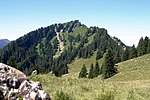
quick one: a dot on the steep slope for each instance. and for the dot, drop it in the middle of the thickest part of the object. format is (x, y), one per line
(3, 43)
(53, 47)
(61, 44)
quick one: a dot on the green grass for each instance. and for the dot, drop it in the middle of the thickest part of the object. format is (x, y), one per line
(75, 66)
(134, 69)
(131, 83)
(93, 89)
(77, 30)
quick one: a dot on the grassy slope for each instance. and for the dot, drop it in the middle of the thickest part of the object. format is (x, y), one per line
(75, 66)
(131, 83)
(134, 69)
(77, 30)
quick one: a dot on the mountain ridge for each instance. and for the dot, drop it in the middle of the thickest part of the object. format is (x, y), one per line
(3, 43)
(38, 48)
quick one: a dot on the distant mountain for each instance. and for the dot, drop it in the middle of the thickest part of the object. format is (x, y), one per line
(3, 43)
(52, 48)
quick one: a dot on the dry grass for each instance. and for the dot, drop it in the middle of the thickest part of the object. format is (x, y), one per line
(75, 66)
(94, 89)
(134, 69)
(131, 83)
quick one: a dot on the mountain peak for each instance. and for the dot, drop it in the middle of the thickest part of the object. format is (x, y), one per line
(53, 47)
(3, 43)
(68, 26)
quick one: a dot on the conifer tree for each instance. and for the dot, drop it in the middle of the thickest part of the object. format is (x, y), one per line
(146, 40)
(148, 48)
(133, 52)
(140, 47)
(91, 72)
(125, 55)
(108, 68)
(97, 69)
(117, 57)
(11, 62)
(83, 72)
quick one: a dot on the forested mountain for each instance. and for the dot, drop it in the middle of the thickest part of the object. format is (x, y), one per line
(52, 48)
(3, 43)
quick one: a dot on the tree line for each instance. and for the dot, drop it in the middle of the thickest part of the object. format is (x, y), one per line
(106, 70)
(37, 48)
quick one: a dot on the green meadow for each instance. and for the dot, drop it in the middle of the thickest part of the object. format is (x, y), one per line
(132, 82)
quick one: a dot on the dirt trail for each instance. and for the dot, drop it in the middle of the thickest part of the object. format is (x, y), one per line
(60, 43)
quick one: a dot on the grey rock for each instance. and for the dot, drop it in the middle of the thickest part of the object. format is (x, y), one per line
(14, 85)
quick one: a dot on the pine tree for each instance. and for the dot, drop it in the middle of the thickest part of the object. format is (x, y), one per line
(83, 72)
(140, 47)
(148, 48)
(99, 54)
(133, 52)
(117, 57)
(97, 69)
(108, 68)
(146, 40)
(91, 72)
(11, 62)
(125, 55)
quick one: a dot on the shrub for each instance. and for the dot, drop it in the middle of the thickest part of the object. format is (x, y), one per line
(109, 95)
(60, 95)
(131, 95)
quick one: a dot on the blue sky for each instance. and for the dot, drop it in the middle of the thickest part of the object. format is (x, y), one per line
(125, 19)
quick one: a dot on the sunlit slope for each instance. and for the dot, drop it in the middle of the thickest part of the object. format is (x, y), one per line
(133, 69)
(77, 64)
(131, 83)
(93, 89)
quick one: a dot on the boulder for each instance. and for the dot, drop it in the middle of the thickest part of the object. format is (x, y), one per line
(35, 72)
(14, 85)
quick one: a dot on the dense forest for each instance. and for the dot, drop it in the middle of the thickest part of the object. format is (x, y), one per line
(40, 49)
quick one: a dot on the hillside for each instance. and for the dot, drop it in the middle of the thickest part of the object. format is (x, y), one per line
(131, 83)
(133, 69)
(3, 43)
(130, 70)
(63, 48)
(53, 47)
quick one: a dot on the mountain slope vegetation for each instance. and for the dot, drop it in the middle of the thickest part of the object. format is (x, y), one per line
(41, 48)
(132, 82)
(65, 48)
(133, 69)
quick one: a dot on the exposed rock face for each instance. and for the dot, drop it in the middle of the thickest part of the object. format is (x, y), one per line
(14, 85)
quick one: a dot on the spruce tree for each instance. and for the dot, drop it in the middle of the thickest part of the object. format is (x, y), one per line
(148, 48)
(140, 47)
(125, 55)
(117, 57)
(97, 69)
(91, 72)
(83, 72)
(146, 40)
(11, 62)
(133, 52)
(108, 68)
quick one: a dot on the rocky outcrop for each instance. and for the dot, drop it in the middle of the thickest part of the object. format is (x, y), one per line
(14, 85)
